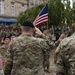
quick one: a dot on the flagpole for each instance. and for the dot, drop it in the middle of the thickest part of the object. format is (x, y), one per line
(47, 25)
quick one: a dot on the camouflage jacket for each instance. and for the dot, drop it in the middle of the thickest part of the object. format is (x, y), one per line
(50, 42)
(1, 66)
(65, 56)
(3, 50)
(25, 56)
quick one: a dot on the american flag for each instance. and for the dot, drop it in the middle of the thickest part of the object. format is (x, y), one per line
(42, 17)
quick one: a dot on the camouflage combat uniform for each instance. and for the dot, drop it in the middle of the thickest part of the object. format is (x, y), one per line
(26, 55)
(1, 66)
(3, 50)
(50, 42)
(65, 56)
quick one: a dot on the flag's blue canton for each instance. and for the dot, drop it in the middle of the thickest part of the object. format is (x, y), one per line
(44, 11)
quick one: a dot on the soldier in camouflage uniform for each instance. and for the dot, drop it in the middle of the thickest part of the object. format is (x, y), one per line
(12, 35)
(26, 53)
(62, 36)
(65, 56)
(48, 38)
(50, 42)
(3, 48)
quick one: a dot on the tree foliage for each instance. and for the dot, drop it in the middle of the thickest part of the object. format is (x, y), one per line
(56, 10)
(29, 14)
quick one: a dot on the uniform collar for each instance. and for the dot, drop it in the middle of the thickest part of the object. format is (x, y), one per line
(26, 35)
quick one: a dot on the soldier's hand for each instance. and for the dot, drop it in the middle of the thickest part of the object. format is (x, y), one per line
(60, 39)
(38, 31)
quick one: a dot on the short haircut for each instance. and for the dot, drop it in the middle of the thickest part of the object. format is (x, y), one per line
(26, 28)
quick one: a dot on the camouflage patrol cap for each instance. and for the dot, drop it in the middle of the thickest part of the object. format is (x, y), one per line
(13, 34)
(6, 36)
(28, 23)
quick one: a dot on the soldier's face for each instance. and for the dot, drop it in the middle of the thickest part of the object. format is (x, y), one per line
(6, 41)
(12, 37)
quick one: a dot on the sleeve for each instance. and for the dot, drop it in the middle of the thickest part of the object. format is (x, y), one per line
(1, 66)
(57, 43)
(8, 60)
(46, 51)
(59, 66)
(49, 41)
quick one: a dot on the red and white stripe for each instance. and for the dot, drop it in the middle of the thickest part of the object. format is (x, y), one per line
(41, 19)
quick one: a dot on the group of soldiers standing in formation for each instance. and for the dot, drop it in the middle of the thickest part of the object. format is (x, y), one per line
(29, 55)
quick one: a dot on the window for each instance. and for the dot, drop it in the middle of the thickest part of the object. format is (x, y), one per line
(2, 6)
(12, 8)
(23, 7)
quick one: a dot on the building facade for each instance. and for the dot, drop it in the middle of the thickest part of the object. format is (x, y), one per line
(10, 9)
(36, 2)
(14, 7)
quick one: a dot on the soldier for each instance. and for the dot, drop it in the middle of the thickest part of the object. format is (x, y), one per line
(12, 36)
(3, 48)
(48, 38)
(26, 53)
(47, 34)
(65, 56)
(62, 36)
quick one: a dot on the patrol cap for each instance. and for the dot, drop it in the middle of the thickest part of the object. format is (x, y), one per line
(6, 36)
(28, 23)
(12, 34)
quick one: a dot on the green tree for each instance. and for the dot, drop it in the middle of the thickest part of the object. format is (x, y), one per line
(59, 11)
(73, 15)
(55, 12)
(67, 12)
(29, 14)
